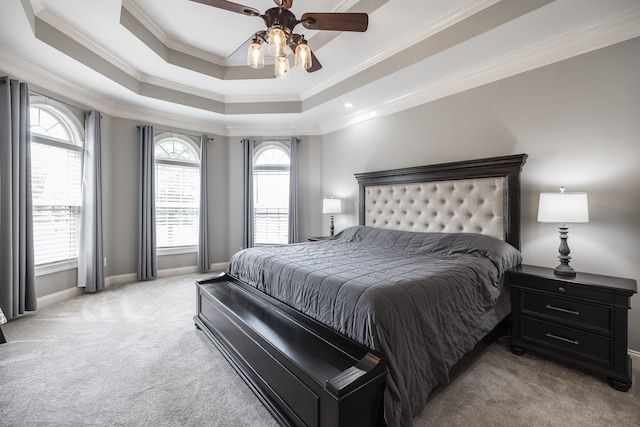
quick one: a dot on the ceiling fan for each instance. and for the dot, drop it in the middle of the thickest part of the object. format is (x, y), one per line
(279, 35)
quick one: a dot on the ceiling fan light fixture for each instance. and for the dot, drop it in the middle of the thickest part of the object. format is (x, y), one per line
(280, 23)
(281, 68)
(303, 55)
(277, 41)
(255, 56)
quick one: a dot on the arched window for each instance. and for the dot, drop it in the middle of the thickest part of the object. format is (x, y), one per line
(56, 180)
(177, 191)
(271, 170)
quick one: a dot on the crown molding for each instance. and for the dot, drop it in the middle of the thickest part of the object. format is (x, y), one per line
(616, 29)
(415, 37)
(53, 20)
(178, 87)
(273, 130)
(172, 120)
(38, 75)
(85, 99)
(606, 32)
(167, 41)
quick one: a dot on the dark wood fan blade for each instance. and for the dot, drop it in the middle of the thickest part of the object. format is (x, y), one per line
(233, 7)
(336, 21)
(240, 54)
(315, 64)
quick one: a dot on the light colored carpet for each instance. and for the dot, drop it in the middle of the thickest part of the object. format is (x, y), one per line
(131, 356)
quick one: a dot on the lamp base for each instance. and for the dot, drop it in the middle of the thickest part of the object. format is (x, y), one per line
(564, 270)
(331, 228)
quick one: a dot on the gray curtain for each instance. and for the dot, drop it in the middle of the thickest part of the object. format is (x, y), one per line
(293, 191)
(17, 270)
(203, 232)
(247, 168)
(147, 259)
(91, 250)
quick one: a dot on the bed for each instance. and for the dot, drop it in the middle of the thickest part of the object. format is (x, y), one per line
(358, 330)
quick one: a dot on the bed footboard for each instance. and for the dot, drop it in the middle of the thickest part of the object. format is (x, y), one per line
(305, 373)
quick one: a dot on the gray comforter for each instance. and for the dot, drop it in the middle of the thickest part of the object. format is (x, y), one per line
(421, 299)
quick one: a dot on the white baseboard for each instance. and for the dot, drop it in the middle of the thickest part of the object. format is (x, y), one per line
(120, 279)
(177, 271)
(220, 266)
(635, 359)
(56, 297)
(48, 300)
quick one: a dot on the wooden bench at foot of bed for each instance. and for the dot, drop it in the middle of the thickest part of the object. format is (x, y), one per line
(304, 373)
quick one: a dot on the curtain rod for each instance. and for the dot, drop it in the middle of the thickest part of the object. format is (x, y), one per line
(57, 100)
(267, 139)
(181, 133)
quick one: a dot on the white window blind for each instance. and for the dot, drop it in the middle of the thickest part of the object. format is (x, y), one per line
(271, 195)
(177, 194)
(56, 180)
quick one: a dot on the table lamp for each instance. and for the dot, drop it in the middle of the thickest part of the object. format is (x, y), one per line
(331, 206)
(563, 208)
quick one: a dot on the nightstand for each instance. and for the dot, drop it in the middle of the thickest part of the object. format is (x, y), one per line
(581, 319)
(3, 320)
(315, 239)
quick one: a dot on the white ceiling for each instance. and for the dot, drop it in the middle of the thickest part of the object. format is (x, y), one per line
(167, 61)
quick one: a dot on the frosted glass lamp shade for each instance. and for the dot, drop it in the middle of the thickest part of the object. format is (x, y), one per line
(332, 206)
(303, 56)
(277, 42)
(255, 56)
(281, 68)
(563, 208)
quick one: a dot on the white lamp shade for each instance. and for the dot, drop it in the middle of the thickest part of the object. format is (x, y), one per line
(563, 207)
(331, 206)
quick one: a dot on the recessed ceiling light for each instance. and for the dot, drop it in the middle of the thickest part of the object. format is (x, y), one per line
(348, 105)
(372, 114)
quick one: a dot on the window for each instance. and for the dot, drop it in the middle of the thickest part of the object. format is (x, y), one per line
(56, 180)
(271, 168)
(177, 192)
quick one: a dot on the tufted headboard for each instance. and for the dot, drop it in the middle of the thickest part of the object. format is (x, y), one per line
(472, 196)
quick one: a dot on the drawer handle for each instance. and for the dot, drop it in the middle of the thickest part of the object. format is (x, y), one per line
(561, 289)
(564, 310)
(576, 342)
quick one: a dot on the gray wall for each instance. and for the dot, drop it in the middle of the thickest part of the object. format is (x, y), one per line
(120, 159)
(120, 174)
(579, 122)
(309, 184)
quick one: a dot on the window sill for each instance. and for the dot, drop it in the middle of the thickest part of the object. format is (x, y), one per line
(56, 267)
(177, 251)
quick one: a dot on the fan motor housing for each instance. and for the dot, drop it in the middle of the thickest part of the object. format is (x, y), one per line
(282, 17)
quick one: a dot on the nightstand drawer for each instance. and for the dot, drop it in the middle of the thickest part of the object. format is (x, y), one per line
(598, 317)
(563, 288)
(580, 343)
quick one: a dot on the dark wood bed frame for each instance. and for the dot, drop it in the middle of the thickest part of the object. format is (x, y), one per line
(305, 373)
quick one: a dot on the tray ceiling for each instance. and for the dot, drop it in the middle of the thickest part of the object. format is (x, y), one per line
(172, 62)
